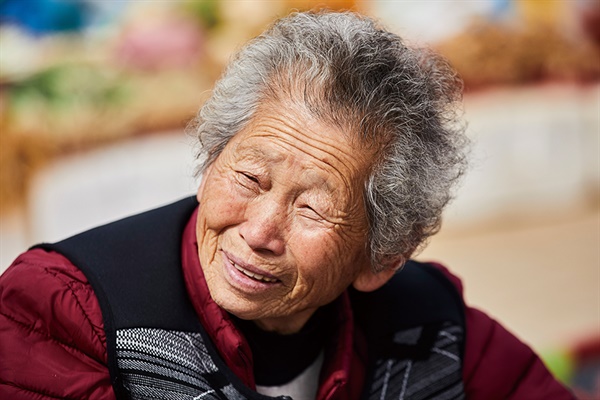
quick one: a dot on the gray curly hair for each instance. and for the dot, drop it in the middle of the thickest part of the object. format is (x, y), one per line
(348, 71)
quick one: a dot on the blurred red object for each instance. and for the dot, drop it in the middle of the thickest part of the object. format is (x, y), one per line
(590, 20)
(160, 44)
(586, 377)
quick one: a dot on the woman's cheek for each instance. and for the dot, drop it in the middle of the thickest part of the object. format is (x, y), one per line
(318, 252)
(223, 207)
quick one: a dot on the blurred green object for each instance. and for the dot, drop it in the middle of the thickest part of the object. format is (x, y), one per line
(561, 364)
(67, 85)
(205, 11)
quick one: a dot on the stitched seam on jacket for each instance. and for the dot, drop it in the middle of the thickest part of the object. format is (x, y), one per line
(69, 285)
(524, 373)
(39, 393)
(483, 350)
(46, 335)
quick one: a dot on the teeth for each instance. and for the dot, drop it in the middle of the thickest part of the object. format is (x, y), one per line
(253, 275)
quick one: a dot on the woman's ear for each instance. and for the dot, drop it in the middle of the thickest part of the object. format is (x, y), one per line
(369, 280)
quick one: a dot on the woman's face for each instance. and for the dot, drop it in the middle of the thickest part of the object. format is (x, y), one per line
(281, 226)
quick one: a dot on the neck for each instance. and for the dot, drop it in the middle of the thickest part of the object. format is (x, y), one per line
(280, 358)
(285, 325)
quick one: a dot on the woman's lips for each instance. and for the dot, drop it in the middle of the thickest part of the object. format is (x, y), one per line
(250, 271)
(253, 275)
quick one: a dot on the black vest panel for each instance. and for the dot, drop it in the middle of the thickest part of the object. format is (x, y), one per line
(157, 348)
(414, 326)
(417, 295)
(134, 265)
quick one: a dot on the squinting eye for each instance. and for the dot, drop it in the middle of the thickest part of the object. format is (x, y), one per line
(250, 177)
(311, 213)
(248, 181)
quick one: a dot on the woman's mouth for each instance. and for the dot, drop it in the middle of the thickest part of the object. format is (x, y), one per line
(253, 275)
(246, 275)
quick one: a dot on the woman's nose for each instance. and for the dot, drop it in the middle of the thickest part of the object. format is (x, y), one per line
(264, 226)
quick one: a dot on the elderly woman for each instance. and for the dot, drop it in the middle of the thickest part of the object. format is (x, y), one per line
(329, 149)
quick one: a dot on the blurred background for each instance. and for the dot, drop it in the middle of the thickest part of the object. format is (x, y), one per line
(95, 97)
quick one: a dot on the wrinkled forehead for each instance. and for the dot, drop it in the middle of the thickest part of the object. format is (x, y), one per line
(296, 130)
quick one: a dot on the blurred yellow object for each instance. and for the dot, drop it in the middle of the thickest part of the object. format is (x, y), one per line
(330, 4)
(544, 12)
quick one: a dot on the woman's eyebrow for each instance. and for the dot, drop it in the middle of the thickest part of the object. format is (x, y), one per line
(260, 154)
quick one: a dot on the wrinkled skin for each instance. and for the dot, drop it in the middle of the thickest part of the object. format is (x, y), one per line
(281, 227)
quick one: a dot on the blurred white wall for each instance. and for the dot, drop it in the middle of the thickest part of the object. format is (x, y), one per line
(535, 153)
(96, 187)
(83, 190)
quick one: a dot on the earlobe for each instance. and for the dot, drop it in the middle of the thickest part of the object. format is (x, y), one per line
(369, 280)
